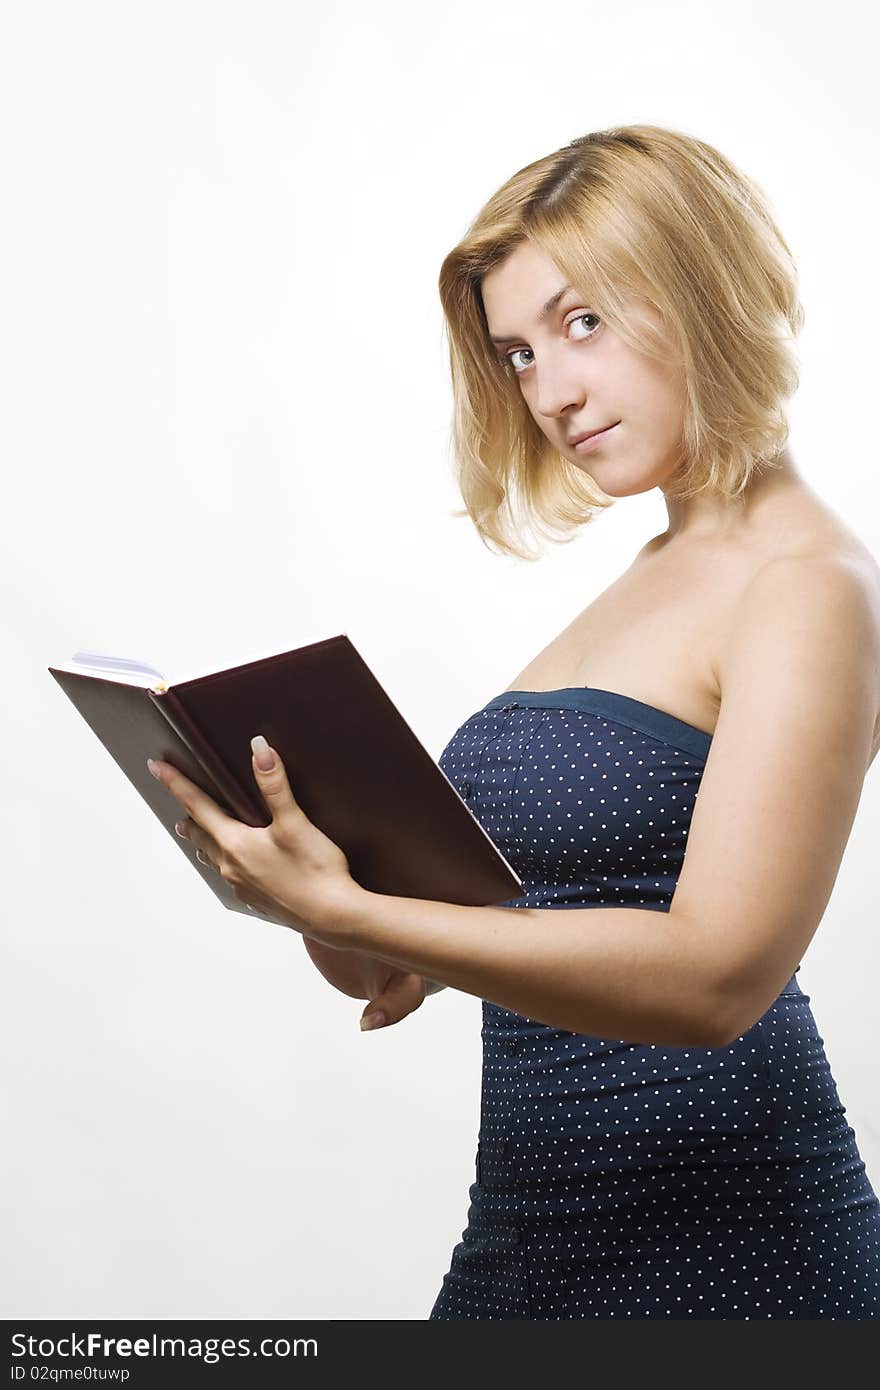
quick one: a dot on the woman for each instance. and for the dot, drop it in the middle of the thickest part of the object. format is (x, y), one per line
(644, 1176)
(660, 1136)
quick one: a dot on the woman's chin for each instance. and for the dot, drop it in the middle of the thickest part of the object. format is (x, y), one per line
(619, 482)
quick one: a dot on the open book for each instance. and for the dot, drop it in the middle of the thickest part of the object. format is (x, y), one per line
(354, 765)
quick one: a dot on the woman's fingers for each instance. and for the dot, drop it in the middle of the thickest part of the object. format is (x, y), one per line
(402, 995)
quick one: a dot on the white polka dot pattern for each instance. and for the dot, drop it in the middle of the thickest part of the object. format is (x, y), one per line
(615, 1180)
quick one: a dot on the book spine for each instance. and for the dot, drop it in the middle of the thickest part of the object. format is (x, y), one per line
(243, 806)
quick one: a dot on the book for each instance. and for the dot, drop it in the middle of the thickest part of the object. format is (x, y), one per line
(354, 765)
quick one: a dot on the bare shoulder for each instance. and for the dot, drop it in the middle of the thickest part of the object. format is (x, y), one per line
(834, 580)
(829, 596)
(840, 567)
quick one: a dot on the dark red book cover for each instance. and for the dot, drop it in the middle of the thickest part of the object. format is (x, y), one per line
(355, 766)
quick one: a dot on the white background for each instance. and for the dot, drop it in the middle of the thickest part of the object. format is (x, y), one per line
(224, 404)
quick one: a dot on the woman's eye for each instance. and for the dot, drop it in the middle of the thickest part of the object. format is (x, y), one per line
(509, 357)
(580, 317)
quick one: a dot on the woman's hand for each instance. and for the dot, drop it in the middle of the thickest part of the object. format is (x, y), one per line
(393, 993)
(289, 869)
(401, 995)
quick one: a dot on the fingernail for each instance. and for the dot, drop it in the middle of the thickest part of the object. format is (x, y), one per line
(154, 768)
(263, 754)
(375, 1020)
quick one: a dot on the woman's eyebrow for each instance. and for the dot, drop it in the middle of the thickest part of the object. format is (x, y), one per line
(547, 309)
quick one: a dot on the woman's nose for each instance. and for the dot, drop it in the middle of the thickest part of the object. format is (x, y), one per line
(557, 392)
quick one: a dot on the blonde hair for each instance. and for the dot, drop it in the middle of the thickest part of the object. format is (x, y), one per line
(634, 210)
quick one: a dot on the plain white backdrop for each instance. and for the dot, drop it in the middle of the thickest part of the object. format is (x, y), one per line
(225, 405)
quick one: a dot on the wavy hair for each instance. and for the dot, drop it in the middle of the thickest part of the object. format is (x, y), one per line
(642, 211)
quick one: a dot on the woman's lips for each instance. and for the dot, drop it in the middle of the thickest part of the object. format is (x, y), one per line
(594, 441)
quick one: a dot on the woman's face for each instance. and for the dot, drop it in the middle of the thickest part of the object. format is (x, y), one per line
(576, 374)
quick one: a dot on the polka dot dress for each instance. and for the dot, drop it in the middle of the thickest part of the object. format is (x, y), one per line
(641, 1181)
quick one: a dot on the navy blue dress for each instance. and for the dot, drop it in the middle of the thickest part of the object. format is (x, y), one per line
(641, 1181)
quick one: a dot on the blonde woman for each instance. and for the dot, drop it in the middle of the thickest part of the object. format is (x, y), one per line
(679, 769)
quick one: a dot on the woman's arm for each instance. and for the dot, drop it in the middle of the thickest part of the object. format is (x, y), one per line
(611, 972)
(800, 681)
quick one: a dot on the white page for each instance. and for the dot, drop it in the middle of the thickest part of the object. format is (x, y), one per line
(135, 671)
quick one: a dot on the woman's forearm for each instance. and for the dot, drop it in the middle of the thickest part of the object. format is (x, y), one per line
(610, 972)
